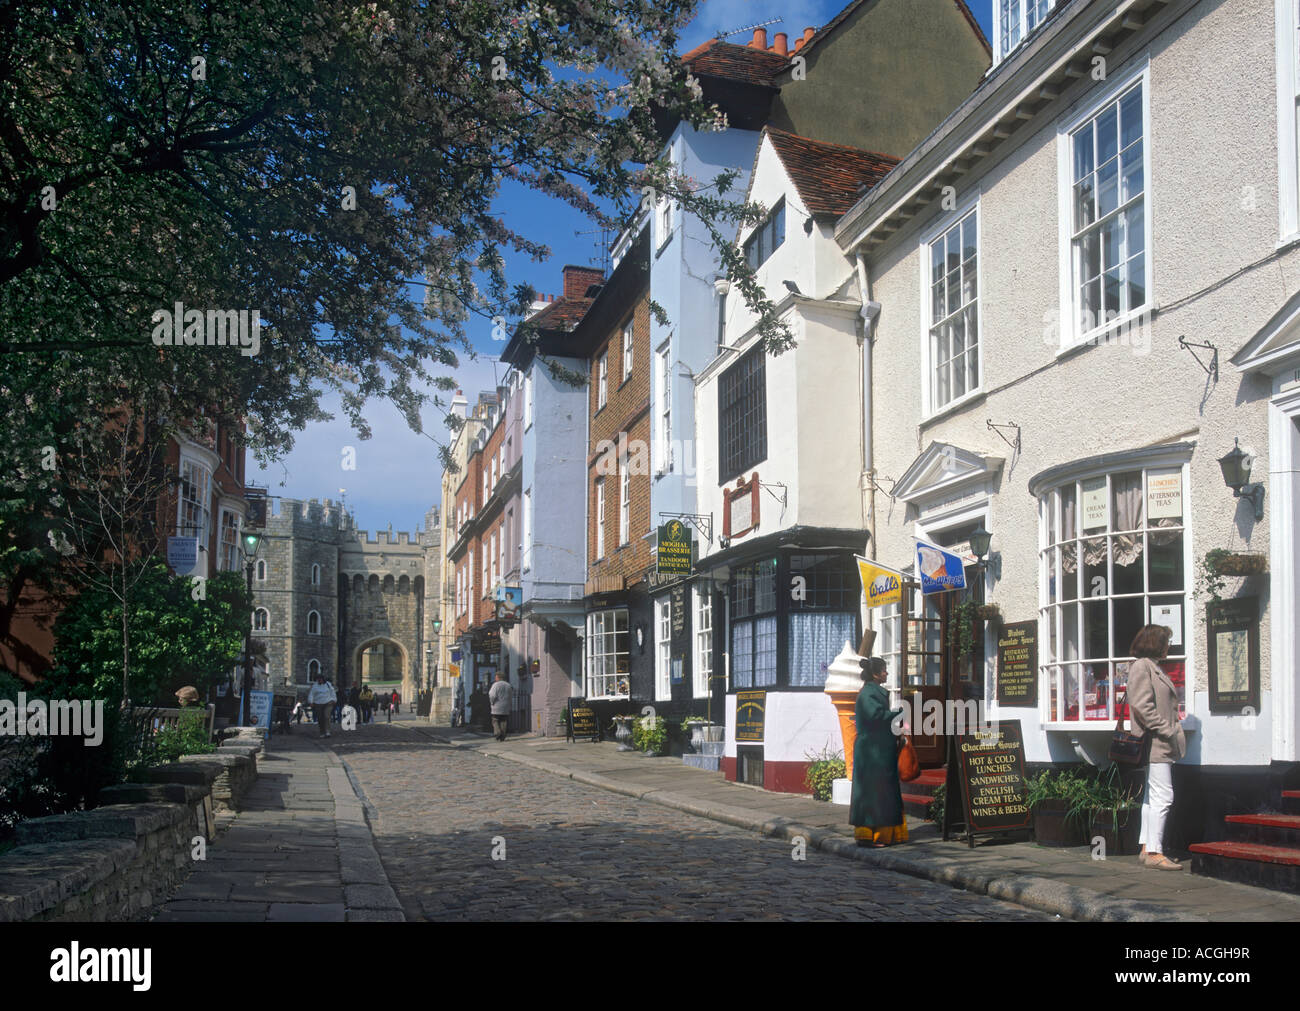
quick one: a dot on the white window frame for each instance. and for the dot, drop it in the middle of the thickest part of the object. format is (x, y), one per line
(624, 501)
(1070, 334)
(528, 400)
(1023, 8)
(494, 473)
(701, 639)
(316, 615)
(202, 505)
(1049, 664)
(487, 568)
(600, 518)
(602, 389)
(496, 558)
(627, 349)
(663, 630)
(261, 612)
(936, 231)
(229, 561)
(663, 370)
(526, 541)
(1287, 22)
(601, 644)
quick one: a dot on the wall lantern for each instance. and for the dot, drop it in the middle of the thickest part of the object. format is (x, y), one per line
(437, 625)
(980, 539)
(535, 666)
(1236, 475)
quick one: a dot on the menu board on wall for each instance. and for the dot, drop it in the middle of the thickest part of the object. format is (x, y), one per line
(1018, 664)
(1233, 655)
(751, 709)
(989, 771)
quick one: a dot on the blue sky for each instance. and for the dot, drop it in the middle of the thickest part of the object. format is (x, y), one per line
(398, 475)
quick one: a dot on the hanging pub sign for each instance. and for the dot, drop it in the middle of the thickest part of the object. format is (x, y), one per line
(255, 500)
(1233, 655)
(880, 586)
(1018, 664)
(509, 599)
(674, 553)
(582, 721)
(751, 710)
(987, 771)
(182, 553)
(940, 570)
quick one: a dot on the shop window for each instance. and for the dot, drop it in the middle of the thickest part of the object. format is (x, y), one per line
(1113, 560)
(702, 599)
(607, 655)
(824, 595)
(753, 626)
(663, 649)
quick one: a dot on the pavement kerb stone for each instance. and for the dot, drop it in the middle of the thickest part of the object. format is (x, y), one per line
(1031, 891)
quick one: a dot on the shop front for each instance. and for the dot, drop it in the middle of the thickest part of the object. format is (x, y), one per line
(618, 658)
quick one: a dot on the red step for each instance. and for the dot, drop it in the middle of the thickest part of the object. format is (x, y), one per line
(916, 804)
(1291, 821)
(1287, 855)
(1294, 794)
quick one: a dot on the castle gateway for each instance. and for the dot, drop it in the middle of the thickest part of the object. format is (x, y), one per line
(343, 602)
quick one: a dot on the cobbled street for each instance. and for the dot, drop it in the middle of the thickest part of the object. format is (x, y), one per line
(575, 852)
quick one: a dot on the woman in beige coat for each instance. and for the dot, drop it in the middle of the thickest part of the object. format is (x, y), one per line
(1153, 708)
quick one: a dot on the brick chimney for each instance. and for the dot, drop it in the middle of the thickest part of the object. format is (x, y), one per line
(760, 39)
(780, 45)
(808, 33)
(578, 279)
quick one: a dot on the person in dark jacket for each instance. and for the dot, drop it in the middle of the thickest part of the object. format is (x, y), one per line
(876, 809)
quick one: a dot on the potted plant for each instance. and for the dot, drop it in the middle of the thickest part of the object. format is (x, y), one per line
(1061, 806)
(1220, 564)
(650, 734)
(1116, 813)
(693, 727)
(988, 612)
(823, 769)
(623, 732)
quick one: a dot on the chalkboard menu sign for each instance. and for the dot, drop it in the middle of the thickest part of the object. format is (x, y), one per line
(1018, 664)
(987, 771)
(582, 721)
(751, 708)
(1233, 630)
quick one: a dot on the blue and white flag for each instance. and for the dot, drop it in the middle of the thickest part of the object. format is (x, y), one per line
(940, 570)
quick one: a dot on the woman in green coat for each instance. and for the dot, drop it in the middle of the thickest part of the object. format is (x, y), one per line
(876, 811)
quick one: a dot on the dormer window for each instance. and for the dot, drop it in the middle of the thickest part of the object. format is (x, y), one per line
(1016, 21)
(767, 237)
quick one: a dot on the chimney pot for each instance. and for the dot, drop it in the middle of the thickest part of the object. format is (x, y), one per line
(798, 43)
(780, 47)
(760, 39)
(808, 33)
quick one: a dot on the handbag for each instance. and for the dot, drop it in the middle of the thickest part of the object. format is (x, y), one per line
(1129, 749)
(909, 767)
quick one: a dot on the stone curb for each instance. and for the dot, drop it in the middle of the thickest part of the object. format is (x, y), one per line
(1031, 891)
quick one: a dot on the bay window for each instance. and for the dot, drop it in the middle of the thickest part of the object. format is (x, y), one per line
(1113, 557)
(825, 593)
(192, 514)
(607, 654)
(229, 541)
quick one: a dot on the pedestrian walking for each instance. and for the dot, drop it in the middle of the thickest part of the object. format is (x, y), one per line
(394, 701)
(876, 808)
(297, 711)
(367, 704)
(321, 699)
(499, 701)
(1153, 708)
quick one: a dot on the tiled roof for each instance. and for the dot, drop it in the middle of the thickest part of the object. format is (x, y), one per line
(829, 177)
(563, 314)
(716, 58)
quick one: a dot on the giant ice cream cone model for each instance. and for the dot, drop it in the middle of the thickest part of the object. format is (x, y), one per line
(843, 682)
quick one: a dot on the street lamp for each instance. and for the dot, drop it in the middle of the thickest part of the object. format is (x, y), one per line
(252, 541)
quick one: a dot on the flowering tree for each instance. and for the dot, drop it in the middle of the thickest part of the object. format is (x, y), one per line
(332, 165)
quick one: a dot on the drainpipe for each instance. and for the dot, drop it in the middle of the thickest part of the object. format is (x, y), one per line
(869, 313)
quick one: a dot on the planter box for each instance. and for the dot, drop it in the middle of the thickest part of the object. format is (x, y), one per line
(1242, 565)
(1053, 826)
(1123, 842)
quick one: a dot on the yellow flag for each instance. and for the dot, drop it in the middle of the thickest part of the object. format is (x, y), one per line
(882, 586)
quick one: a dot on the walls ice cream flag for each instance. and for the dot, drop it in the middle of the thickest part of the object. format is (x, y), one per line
(880, 586)
(940, 570)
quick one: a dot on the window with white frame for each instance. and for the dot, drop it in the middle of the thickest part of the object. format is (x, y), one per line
(507, 544)
(702, 659)
(663, 649)
(607, 654)
(469, 580)
(229, 540)
(1016, 21)
(889, 644)
(600, 517)
(315, 575)
(504, 445)
(1109, 263)
(602, 371)
(953, 340)
(313, 623)
(528, 400)
(1112, 558)
(495, 559)
(261, 620)
(627, 351)
(767, 238)
(487, 583)
(663, 220)
(494, 473)
(664, 371)
(1287, 19)
(192, 513)
(624, 500)
(526, 541)
(487, 489)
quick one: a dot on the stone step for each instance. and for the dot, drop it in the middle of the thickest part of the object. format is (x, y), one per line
(1276, 867)
(711, 762)
(713, 749)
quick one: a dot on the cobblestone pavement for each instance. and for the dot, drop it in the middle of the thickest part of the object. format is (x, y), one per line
(574, 852)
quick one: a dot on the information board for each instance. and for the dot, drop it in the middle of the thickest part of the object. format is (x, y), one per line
(1018, 664)
(1233, 655)
(986, 772)
(259, 709)
(582, 721)
(751, 709)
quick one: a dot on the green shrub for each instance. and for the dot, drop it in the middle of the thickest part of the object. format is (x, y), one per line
(188, 737)
(823, 769)
(934, 811)
(650, 733)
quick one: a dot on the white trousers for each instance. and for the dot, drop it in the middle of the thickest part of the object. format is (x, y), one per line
(1157, 799)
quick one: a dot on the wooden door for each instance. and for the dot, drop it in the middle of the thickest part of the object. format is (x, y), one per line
(925, 666)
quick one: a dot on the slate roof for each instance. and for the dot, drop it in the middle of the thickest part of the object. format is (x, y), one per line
(830, 178)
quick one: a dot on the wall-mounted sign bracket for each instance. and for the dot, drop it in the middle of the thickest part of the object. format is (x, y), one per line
(1212, 369)
(702, 523)
(1014, 444)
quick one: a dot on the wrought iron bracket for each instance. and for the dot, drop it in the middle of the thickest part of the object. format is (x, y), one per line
(995, 427)
(702, 523)
(1212, 369)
